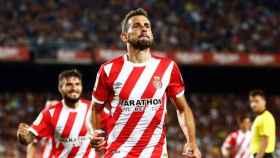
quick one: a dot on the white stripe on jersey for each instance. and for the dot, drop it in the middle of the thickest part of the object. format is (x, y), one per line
(122, 76)
(137, 91)
(107, 68)
(62, 119)
(165, 81)
(77, 125)
(83, 149)
(143, 80)
(147, 152)
(244, 147)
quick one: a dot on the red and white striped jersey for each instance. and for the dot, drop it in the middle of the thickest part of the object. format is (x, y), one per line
(239, 144)
(137, 96)
(45, 147)
(67, 127)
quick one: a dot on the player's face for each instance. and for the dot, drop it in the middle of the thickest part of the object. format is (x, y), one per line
(246, 124)
(71, 88)
(257, 103)
(139, 33)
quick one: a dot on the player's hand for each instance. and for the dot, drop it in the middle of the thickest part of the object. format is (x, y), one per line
(23, 134)
(191, 151)
(98, 141)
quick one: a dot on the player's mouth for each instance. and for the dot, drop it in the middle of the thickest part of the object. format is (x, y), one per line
(144, 36)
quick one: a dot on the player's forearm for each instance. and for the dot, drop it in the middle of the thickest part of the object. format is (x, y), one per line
(31, 149)
(187, 124)
(96, 121)
(263, 145)
(225, 152)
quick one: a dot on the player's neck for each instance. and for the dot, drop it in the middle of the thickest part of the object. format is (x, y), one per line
(138, 56)
(70, 104)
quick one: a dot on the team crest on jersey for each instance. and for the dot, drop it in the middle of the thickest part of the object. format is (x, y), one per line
(157, 82)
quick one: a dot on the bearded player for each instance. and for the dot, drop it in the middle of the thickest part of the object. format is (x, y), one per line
(136, 87)
(66, 122)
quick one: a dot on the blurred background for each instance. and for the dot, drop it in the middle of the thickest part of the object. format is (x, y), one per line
(224, 49)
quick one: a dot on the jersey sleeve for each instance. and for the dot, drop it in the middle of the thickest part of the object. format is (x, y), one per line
(176, 87)
(42, 126)
(100, 90)
(230, 141)
(265, 128)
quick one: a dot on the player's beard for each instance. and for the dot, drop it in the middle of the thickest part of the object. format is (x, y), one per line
(71, 100)
(141, 44)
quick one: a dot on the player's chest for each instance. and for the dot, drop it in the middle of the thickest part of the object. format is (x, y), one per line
(70, 124)
(139, 86)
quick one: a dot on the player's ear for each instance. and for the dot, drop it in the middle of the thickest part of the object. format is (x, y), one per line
(124, 37)
(59, 86)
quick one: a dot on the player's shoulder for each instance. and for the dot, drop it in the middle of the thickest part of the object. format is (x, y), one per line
(85, 101)
(163, 58)
(234, 134)
(116, 60)
(53, 105)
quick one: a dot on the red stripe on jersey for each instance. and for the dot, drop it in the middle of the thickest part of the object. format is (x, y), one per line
(83, 131)
(158, 148)
(114, 119)
(136, 116)
(69, 124)
(149, 92)
(87, 152)
(67, 129)
(54, 122)
(84, 128)
(114, 73)
(56, 114)
(146, 136)
(73, 152)
(130, 82)
(126, 90)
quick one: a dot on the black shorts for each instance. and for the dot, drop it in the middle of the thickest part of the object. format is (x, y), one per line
(266, 155)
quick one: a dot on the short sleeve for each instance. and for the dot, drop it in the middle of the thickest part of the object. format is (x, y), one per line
(42, 126)
(266, 126)
(230, 141)
(176, 85)
(100, 90)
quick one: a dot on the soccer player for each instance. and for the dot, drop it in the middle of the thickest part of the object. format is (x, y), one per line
(263, 128)
(136, 87)
(237, 143)
(66, 122)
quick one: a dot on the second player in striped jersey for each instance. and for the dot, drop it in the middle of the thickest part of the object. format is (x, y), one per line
(66, 122)
(237, 143)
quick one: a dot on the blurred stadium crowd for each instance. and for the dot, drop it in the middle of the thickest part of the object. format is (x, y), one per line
(196, 25)
(215, 118)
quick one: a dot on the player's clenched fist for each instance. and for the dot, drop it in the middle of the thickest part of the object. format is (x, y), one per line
(23, 134)
(191, 151)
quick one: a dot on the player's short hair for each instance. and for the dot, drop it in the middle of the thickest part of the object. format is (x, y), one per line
(241, 117)
(69, 73)
(257, 92)
(130, 14)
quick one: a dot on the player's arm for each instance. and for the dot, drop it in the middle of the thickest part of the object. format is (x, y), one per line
(99, 138)
(186, 121)
(227, 145)
(263, 145)
(24, 136)
(31, 150)
(225, 151)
